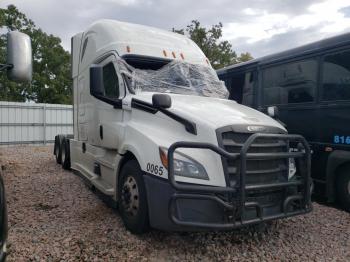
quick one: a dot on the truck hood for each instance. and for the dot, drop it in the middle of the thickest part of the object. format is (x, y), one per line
(215, 112)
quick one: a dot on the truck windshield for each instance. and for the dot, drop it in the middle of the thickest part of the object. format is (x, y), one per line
(177, 77)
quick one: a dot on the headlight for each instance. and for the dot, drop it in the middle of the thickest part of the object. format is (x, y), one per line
(291, 168)
(184, 165)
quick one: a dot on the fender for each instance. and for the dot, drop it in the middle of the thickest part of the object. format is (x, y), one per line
(136, 147)
(128, 148)
(335, 159)
(126, 154)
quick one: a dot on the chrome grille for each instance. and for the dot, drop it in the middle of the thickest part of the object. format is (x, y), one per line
(258, 171)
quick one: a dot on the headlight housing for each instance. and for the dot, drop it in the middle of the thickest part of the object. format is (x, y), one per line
(183, 165)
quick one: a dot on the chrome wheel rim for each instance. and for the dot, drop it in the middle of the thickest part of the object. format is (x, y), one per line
(130, 196)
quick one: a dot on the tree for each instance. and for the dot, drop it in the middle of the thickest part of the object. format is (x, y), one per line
(218, 52)
(244, 57)
(51, 63)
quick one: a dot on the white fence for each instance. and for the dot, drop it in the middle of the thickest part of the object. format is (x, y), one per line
(29, 123)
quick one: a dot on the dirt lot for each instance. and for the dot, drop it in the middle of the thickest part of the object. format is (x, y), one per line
(53, 216)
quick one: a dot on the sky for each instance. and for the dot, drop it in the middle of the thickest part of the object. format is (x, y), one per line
(260, 27)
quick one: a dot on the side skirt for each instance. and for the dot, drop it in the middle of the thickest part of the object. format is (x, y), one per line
(105, 198)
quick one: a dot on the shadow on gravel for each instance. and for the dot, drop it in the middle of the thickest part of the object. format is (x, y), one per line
(323, 202)
(247, 233)
(257, 232)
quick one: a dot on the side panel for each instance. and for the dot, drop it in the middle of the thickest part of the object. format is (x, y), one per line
(85, 162)
(82, 112)
(75, 108)
(75, 47)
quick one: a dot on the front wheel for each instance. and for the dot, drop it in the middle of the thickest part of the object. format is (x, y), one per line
(65, 154)
(343, 188)
(132, 198)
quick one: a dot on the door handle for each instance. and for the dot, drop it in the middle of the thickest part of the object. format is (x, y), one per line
(101, 132)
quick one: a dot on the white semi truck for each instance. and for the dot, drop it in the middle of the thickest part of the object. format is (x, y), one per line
(154, 131)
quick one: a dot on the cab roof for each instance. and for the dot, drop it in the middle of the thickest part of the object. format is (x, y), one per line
(133, 39)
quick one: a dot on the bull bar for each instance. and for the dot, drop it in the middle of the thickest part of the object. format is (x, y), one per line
(238, 206)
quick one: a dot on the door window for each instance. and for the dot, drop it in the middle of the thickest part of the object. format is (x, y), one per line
(242, 88)
(110, 81)
(290, 83)
(248, 88)
(336, 77)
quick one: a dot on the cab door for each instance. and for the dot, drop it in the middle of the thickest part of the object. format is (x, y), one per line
(106, 128)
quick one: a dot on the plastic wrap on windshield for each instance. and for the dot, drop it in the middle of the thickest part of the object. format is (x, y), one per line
(176, 77)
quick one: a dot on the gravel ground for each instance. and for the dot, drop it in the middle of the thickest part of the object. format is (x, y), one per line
(53, 216)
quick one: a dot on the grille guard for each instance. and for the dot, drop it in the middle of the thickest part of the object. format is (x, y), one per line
(201, 192)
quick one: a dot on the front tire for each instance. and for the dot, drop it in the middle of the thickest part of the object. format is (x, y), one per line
(132, 198)
(343, 188)
(65, 154)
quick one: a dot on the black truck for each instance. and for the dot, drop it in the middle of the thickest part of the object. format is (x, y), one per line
(310, 88)
(19, 69)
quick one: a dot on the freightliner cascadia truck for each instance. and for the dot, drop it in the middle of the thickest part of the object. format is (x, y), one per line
(19, 68)
(155, 132)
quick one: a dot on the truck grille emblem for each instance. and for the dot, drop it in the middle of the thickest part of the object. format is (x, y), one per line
(256, 128)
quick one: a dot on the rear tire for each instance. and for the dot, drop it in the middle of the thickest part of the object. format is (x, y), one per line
(343, 188)
(65, 154)
(132, 198)
(58, 151)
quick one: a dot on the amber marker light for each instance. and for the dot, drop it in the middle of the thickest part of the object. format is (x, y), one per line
(163, 157)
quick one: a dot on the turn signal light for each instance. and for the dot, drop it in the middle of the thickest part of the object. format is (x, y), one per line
(163, 158)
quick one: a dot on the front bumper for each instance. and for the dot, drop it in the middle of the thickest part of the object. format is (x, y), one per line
(179, 206)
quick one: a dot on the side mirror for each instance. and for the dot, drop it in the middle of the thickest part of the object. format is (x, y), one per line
(272, 111)
(161, 101)
(19, 55)
(96, 80)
